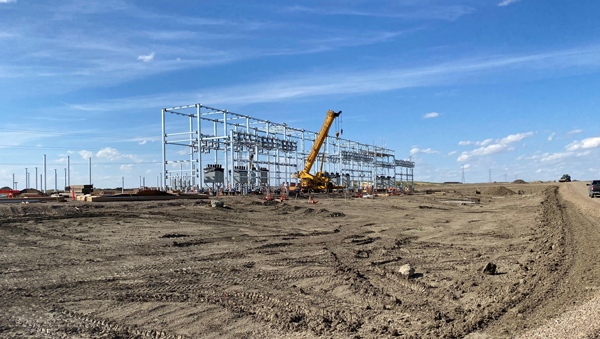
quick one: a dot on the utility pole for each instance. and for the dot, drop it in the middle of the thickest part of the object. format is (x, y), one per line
(122, 184)
(26, 183)
(55, 181)
(68, 170)
(13, 185)
(65, 178)
(45, 176)
(36, 176)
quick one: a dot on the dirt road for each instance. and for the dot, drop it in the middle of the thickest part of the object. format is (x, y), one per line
(582, 320)
(297, 270)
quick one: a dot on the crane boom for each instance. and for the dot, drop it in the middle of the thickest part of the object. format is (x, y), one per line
(314, 152)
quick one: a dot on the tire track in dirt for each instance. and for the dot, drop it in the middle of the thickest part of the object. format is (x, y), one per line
(576, 294)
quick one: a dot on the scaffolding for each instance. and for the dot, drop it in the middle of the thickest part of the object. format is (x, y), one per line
(212, 149)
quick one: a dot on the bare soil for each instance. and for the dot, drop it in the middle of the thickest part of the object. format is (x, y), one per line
(182, 269)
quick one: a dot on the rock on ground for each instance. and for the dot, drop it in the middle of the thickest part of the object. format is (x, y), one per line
(407, 270)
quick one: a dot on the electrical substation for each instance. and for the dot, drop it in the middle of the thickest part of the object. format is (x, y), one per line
(208, 148)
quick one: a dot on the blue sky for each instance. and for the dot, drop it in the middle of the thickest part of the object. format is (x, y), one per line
(507, 85)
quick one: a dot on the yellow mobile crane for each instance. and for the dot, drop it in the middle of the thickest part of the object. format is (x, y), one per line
(321, 180)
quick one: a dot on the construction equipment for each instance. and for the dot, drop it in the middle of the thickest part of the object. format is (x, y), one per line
(565, 178)
(321, 180)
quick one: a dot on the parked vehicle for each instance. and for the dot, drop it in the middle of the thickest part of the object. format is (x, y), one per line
(565, 178)
(594, 188)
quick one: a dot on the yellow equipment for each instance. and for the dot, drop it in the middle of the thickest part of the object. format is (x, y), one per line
(321, 180)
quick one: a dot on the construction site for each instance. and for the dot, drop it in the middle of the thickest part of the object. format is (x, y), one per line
(260, 229)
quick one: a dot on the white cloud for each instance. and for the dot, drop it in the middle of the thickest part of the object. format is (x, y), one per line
(431, 115)
(108, 153)
(551, 136)
(452, 153)
(7, 1)
(113, 155)
(575, 131)
(507, 2)
(490, 148)
(85, 154)
(361, 82)
(482, 151)
(514, 138)
(416, 150)
(583, 144)
(132, 157)
(539, 171)
(451, 12)
(146, 58)
(555, 157)
(126, 167)
(143, 142)
(476, 143)
(484, 142)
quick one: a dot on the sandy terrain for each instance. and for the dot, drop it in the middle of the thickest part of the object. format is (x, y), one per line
(298, 270)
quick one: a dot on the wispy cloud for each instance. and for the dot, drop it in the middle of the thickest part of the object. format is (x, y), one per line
(575, 131)
(371, 81)
(431, 115)
(507, 2)
(415, 150)
(7, 1)
(476, 143)
(146, 58)
(551, 136)
(451, 12)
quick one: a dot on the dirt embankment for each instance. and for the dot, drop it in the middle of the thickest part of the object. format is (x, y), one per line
(290, 270)
(577, 292)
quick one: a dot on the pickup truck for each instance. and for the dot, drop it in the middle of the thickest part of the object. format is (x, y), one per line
(594, 188)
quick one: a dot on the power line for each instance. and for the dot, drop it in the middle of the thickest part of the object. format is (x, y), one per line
(83, 134)
(81, 164)
(28, 147)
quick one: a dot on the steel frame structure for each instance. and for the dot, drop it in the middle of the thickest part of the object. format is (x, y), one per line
(229, 139)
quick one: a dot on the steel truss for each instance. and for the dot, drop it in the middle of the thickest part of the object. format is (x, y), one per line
(230, 140)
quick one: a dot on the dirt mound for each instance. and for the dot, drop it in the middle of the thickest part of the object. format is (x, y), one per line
(499, 191)
(519, 181)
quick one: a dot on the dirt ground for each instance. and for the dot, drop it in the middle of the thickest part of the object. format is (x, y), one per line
(296, 270)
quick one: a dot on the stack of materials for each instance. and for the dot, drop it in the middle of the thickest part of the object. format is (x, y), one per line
(147, 195)
(82, 189)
